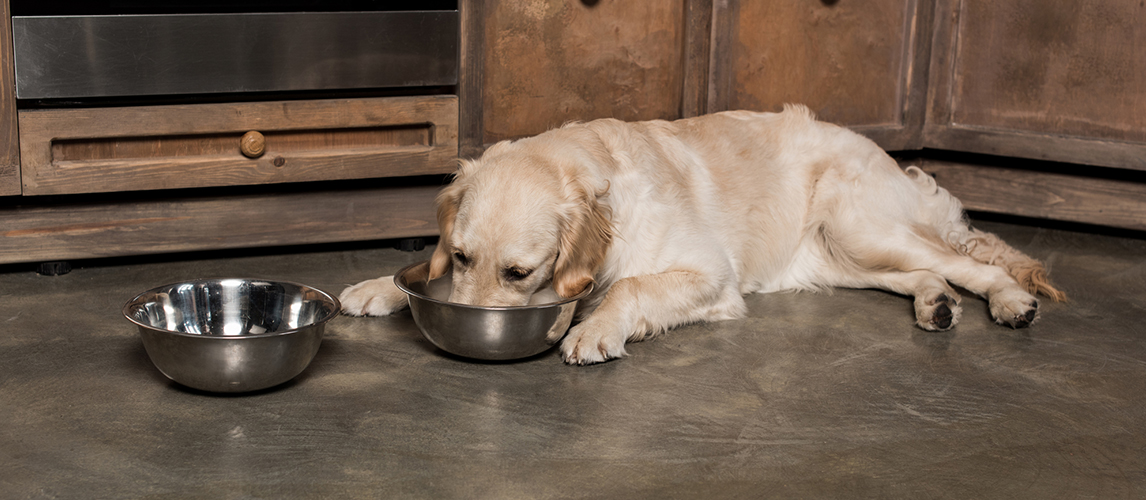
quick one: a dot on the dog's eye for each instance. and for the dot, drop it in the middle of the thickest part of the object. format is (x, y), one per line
(517, 273)
(461, 258)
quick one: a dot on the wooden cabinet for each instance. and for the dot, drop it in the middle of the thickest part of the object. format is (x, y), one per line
(81, 182)
(548, 62)
(133, 180)
(1061, 81)
(859, 64)
(136, 180)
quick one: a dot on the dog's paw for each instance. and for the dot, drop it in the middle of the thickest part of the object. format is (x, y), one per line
(938, 313)
(590, 342)
(1014, 308)
(376, 297)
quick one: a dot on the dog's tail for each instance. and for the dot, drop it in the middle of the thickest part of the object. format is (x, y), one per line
(1030, 273)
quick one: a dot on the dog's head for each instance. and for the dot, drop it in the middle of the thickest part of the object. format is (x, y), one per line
(522, 217)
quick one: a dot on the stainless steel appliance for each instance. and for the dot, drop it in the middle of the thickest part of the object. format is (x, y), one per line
(68, 50)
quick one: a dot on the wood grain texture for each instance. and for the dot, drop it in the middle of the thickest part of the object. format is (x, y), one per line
(917, 78)
(848, 61)
(1037, 146)
(9, 135)
(88, 150)
(471, 142)
(697, 55)
(1065, 68)
(62, 232)
(1045, 195)
(725, 15)
(942, 64)
(548, 62)
(1062, 81)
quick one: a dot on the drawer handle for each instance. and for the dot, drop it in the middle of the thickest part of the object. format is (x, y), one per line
(253, 144)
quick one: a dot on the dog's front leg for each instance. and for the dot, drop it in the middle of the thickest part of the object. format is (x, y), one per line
(376, 297)
(641, 306)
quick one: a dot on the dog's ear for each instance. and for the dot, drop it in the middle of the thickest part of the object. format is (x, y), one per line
(448, 201)
(585, 238)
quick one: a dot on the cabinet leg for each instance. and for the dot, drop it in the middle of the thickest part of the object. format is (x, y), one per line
(54, 268)
(411, 244)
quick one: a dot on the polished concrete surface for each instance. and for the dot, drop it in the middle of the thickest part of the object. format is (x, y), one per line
(813, 396)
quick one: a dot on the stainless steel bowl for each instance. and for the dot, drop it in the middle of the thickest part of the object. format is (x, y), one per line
(231, 335)
(490, 333)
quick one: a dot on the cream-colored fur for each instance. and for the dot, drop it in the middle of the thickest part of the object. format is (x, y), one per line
(675, 221)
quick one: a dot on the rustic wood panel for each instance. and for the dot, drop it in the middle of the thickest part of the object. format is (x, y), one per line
(548, 62)
(1031, 193)
(697, 57)
(1065, 68)
(940, 74)
(725, 16)
(1037, 146)
(111, 228)
(853, 63)
(471, 141)
(9, 135)
(1064, 81)
(169, 147)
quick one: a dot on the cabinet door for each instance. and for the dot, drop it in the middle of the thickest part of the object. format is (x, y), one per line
(1062, 81)
(548, 62)
(9, 140)
(855, 63)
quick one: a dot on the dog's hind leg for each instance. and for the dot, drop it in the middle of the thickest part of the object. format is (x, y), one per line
(981, 262)
(990, 249)
(936, 303)
(1012, 301)
(924, 228)
(1010, 304)
(911, 252)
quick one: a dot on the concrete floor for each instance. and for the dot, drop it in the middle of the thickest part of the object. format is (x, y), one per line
(833, 395)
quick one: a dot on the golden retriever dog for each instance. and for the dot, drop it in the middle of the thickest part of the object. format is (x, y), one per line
(674, 222)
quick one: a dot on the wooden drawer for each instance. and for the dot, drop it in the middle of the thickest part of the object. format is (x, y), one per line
(94, 150)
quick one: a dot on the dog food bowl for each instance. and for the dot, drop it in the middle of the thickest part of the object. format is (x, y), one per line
(488, 333)
(231, 335)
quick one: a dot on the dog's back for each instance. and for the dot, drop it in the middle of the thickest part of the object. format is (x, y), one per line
(757, 183)
(793, 202)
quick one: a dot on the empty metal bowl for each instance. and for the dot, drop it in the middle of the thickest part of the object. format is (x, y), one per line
(489, 333)
(231, 335)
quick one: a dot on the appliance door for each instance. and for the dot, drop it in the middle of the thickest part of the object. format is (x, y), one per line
(139, 55)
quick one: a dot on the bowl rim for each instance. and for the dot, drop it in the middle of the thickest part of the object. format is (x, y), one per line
(402, 272)
(336, 310)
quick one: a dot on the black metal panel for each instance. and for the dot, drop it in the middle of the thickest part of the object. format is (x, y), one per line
(139, 55)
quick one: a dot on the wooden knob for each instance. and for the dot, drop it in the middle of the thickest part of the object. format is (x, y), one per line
(253, 144)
